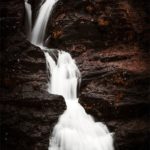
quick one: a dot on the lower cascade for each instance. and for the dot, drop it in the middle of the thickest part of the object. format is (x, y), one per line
(75, 130)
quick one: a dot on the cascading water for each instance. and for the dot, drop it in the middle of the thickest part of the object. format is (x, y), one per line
(75, 129)
(64, 75)
(28, 18)
(39, 28)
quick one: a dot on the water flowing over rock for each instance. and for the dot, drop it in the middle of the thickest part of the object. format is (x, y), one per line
(75, 130)
(109, 39)
(28, 112)
(39, 29)
(64, 77)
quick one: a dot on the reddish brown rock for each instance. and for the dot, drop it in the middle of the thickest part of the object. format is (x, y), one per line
(109, 40)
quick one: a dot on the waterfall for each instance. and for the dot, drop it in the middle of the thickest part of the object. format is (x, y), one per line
(75, 130)
(39, 28)
(64, 74)
(28, 18)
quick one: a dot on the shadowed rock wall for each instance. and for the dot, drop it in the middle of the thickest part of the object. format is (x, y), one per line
(28, 112)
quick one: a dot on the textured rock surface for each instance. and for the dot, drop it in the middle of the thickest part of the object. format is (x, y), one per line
(27, 111)
(109, 40)
(27, 121)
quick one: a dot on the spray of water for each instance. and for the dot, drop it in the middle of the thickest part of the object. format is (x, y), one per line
(75, 130)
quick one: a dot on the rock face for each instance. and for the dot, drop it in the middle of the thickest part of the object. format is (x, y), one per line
(109, 40)
(27, 121)
(28, 112)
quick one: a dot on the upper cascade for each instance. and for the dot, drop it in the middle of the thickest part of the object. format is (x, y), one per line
(39, 28)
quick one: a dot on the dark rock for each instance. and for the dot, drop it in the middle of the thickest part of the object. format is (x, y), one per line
(131, 134)
(29, 119)
(91, 23)
(12, 17)
(28, 112)
(115, 90)
(109, 40)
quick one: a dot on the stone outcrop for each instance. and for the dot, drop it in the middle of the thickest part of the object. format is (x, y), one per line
(27, 121)
(28, 112)
(115, 90)
(109, 40)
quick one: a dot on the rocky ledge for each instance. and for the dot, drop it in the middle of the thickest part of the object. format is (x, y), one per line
(109, 41)
(28, 112)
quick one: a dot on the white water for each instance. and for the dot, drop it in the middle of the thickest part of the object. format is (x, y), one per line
(39, 28)
(64, 75)
(28, 18)
(75, 130)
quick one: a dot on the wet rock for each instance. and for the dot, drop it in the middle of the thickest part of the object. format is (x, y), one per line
(27, 120)
(12, 17)
(109, 41)
(115, 90)
(131, 134)
(28, 112)
(91, 23)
